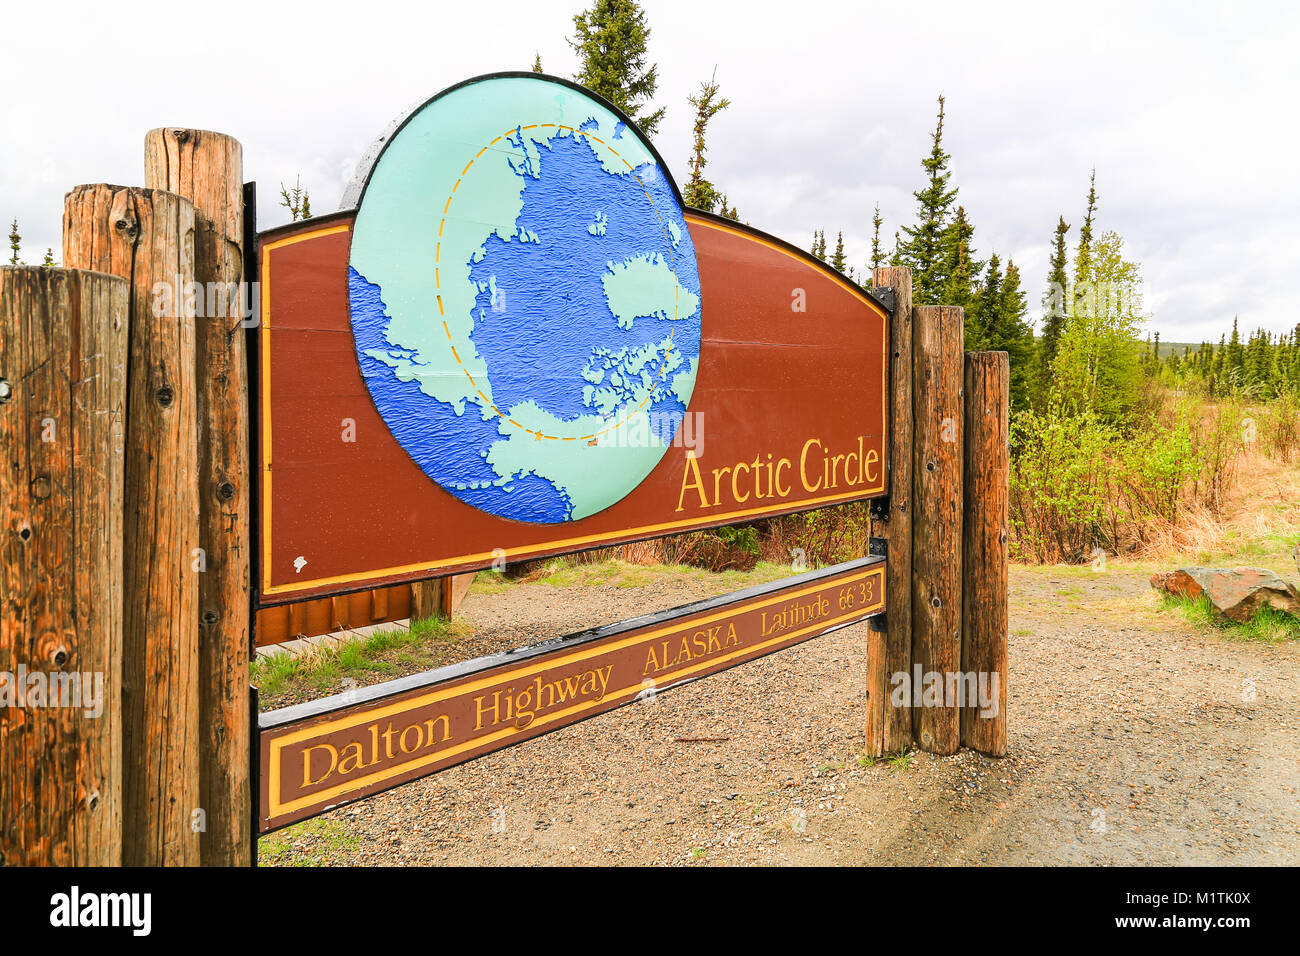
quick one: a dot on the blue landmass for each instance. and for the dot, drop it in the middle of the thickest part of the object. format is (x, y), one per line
(541, 312)
(449, 448)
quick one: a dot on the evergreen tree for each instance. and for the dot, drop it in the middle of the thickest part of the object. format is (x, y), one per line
(996, 320)
(537, 63)
(877, 257)
(1053, 306)
(924, 249)
(611, 39)
(1083, 255)
(1234, 359)
(838, 262)
(959, 263)
(49, 259)
(983, 313)
(15, 244)
(297, 200)
(1015, 335)
(699, 192)
(728, 213)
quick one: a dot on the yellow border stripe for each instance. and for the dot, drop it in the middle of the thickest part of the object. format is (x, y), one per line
(596, 649)
(579, 542)
(266, 423)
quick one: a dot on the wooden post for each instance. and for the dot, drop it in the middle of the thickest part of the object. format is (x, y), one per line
(889, 728)
(984, 550)
(147, 236)
(428, 598)
(62, 408)
(937, 518)
(207, 169)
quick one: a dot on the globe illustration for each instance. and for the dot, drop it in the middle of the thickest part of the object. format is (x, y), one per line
(525, 298)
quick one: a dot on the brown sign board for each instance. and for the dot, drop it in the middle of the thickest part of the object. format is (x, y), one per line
(789, 413)
(330, 752)
(517, 341)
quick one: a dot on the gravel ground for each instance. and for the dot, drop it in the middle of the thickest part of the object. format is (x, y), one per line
(1134, 739)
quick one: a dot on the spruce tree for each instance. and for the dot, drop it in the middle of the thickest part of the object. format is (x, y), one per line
(924, 248)
(537, 63)
(838, 262)
(960, 266)
(1053, 307)
(297, 200)
(1083, 255)
(699, 192)
(611, 39)
(1234, 356)
(877, 256)
(983, 314)
(15, 244)
(49, 259)
(1014, 334)
(996, 320)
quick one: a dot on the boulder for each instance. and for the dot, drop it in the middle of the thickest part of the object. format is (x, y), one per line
(1236, 594)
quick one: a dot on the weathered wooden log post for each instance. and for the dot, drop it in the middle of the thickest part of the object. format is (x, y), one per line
(984, 551)
(62, 410)
(937, 466)
(889, 728)
(207, 169)
(147, 236)
(428, 598)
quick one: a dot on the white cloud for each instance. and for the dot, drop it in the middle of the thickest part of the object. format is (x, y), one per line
(1183, 108)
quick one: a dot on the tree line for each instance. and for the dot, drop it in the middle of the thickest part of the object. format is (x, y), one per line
(1265, 366)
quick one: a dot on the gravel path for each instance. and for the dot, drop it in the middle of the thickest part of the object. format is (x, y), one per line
(1134, 739)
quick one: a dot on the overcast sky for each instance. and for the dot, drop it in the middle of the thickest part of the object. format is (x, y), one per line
(1186, 110)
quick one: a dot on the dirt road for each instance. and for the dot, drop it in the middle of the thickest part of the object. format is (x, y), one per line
(1135, 739)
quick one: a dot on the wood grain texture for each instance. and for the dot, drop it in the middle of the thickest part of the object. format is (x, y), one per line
(984, 549)
(207, 169)
(889, 728)
(62, 408)
(937, 463)
(429, 598)
(329, 615)
(147, 236)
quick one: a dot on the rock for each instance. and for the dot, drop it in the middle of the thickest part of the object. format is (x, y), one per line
(1236, 594)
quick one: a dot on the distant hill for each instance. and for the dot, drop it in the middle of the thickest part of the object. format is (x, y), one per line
(1168, 348)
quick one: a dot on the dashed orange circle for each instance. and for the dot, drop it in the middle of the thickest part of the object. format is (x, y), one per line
(437, 281)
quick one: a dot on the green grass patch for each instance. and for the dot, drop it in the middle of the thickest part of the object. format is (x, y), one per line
(310, 843)
(491, 582)
(901, 760)
(1269, 626)
(380, 655)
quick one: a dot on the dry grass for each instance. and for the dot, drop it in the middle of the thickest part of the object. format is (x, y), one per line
(1260, 522)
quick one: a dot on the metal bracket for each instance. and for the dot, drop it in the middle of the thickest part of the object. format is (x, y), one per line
(879, 623)
(878, 548)
(880, 508)
(885, 296)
